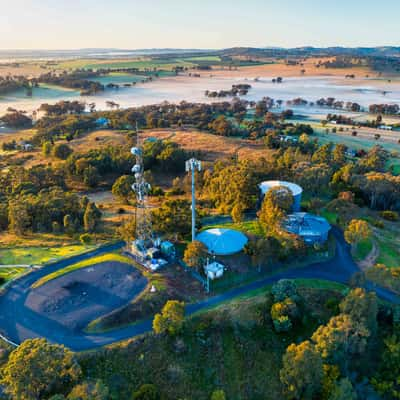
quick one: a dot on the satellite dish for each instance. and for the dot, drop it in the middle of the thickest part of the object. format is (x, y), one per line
(136, 168)
(136, 151)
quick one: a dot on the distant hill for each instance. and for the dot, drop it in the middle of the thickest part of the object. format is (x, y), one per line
(310, 51)
(383, 51)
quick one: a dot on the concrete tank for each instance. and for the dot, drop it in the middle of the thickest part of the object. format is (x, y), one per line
(295, 189)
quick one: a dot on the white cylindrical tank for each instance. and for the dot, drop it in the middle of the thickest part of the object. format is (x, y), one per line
(296, 190)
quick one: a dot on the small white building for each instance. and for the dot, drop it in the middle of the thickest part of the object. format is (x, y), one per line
(386, 127)
(214, 270)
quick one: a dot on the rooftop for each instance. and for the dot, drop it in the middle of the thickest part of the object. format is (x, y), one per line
(293, 187)
(222, 241)
(305, 224)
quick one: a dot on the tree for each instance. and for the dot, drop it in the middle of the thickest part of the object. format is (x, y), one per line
(301, 373)
(170, 320)
(91, 217)
(357, 231)
(221, 126)
(331, 375)
(122, 187)
(218, 395)
(237, 212)
(174, 216)
(146, 392)
(127, 230)
(230, 184)
(283, 289)
(270, 216)
(62, 151)
(85, 239)
(69, 225)
(91, 176)
(46, 148)
(18, 216)
(282, 314)
(362, 307)
(37, 369)
(195, 254)
(262, 251)
(340, 340)
(387, 380)
(343, 390)
(89, 391)
(281, 197)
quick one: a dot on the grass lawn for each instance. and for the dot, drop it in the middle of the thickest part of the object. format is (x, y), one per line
(109, 257)
(389, 253)
(38, 255)
(231, 347)
(10, 273)
(362, 250)
(249, 227)
(331, 217)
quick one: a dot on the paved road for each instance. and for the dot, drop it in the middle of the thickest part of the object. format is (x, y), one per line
(18, 323)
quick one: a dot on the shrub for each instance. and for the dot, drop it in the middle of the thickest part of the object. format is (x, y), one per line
(85, 238)
(390, 215)
(62, 151)
(283, 289)
(218, 395)
(146, 392)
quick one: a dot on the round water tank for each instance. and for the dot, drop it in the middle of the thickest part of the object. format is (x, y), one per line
(296, 190)
(222, 241)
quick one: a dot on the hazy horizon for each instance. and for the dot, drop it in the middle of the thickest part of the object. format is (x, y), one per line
(89, 24)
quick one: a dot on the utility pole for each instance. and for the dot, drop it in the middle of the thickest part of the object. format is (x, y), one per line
(191, 166)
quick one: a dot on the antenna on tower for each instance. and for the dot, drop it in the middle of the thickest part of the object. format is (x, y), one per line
(191, 166)
(144, 234)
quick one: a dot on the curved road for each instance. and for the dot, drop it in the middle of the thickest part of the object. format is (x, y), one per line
(18, 322)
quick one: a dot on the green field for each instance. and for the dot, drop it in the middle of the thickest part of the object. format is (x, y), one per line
(110, 257)
(10, 273)
(118, 78)
(38, 255)
(362, 250)
(167, 64)
(208, 59)
(389, 252)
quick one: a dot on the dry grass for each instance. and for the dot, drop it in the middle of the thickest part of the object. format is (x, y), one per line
(211, 146)
(8, 239)
(17, 135)
(99, 139)
(24, 68)
(281, 69)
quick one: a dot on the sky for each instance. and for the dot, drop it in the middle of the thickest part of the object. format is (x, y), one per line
(208, 24)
